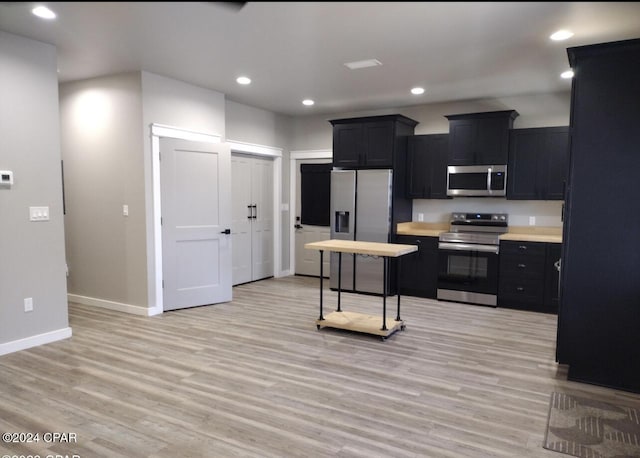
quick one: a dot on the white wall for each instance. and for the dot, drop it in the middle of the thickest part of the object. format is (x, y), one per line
(101, 121)
(536, 110)
(32, 254)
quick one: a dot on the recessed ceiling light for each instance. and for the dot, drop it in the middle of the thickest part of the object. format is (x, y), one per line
(243, 80)
(561, 35)
(417, 90)
(43, 12)
(363, 64)
(566, 75)
(308, 102)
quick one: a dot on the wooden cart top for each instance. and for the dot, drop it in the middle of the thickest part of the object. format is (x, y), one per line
(371, 248)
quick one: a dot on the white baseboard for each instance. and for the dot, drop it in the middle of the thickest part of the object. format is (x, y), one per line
(35, 341)
(111, 305)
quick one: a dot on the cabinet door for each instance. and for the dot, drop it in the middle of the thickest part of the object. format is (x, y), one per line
(491, 141)
(418, 168)
(537, 163)
(378, 144)
(557, 155)
(348, 144)
(419, 270)
(427, 170)
(461, 142)
(439, 154)
(525, 148)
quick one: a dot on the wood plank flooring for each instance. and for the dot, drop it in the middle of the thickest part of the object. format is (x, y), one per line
(255, 378)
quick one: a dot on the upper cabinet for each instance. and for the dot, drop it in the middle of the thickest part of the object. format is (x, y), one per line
(370, 142)
(480, 138)
(427, 166)
(537, 165)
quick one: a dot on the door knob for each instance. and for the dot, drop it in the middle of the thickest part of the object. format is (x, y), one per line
(226, 231)
(298, 226)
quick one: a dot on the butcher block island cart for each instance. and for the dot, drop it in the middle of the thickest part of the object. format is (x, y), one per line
(360, 322)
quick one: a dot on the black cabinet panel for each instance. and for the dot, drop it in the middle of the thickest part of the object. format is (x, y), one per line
(537, 163)
(427, 166)
(419, 270)
(348, 142)
(379, 142)
(370, 142)
(480, 138)
(525, 276)
(599, 316)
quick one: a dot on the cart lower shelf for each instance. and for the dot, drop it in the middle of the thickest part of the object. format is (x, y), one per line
(360, 322)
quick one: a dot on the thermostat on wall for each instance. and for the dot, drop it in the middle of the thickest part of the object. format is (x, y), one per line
(6, 179)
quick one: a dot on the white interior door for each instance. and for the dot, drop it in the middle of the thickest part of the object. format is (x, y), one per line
(253, 224)
(262, 221)
(241, 214)
(307, 262)
(196, 251)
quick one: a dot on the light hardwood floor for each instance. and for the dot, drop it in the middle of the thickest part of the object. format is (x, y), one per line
(254, 378)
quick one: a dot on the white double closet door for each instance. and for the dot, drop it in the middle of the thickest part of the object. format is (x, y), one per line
(252, 218)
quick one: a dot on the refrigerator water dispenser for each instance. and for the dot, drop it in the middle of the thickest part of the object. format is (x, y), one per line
(342, 221)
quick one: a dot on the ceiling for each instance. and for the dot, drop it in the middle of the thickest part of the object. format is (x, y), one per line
(297, 50)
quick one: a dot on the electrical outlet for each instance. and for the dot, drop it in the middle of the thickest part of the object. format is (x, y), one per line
(420, 216)
(28, 304)
(125, 210)
(532, 221)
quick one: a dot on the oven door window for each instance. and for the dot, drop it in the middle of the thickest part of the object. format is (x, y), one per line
(471, 271)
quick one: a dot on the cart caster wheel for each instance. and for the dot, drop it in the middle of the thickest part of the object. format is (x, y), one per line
(383, 338)
(318, 327)
(403, 327)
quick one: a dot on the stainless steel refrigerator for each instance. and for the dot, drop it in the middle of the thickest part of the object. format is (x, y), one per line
(361, 209)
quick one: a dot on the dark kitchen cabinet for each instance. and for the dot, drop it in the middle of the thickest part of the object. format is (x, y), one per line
(419, 270)
(537, 165)
(525, 275)
(480, 138)
(371, 142)
(427, 166)
(599, 315)
(552, 280)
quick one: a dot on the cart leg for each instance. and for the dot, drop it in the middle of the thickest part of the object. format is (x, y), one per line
(321, 274)
(384, 293)
(398, 287)
(339, 278)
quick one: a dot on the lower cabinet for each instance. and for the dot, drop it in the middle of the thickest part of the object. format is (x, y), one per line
(528, 279)
(419, 270)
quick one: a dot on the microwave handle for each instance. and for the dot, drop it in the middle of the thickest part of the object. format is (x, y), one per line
(489, 179)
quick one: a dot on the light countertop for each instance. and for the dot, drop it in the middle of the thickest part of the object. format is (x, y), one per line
(533, 234)
(422, 229)
(516, 233)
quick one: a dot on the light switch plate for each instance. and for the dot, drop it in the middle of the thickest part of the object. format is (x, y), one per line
(38, 213)
(6, 178)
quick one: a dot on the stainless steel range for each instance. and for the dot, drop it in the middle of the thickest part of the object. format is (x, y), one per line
(468, 258)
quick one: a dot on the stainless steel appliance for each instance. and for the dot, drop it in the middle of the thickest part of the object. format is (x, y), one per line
(361, 205)
(468, 258)
(477, 180)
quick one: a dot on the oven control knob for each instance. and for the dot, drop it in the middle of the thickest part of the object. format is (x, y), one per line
(503, 218)
(494, 217)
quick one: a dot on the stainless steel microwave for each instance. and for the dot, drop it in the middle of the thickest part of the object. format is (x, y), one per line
(477, 180)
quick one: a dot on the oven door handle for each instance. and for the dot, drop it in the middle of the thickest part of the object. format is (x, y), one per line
(468, 247)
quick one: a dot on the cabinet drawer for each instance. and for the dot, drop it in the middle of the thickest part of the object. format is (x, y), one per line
(529, 249)
(511, 264)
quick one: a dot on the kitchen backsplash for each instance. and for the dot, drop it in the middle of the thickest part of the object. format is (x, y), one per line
(546, 213)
